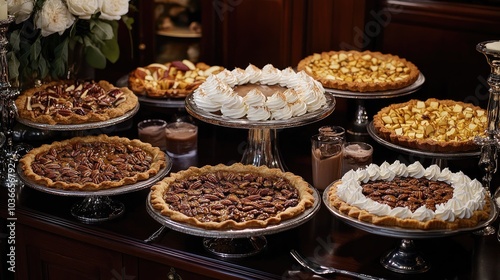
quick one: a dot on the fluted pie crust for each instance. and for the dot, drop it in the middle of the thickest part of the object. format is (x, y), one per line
(80, 107)
(429, 141)
(357, 71)
(92, 163)
(365, 216)
(231, 197)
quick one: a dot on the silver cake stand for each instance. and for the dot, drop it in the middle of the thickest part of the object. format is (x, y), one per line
(262, 146)
(361, 120)
(235, 243)
(97, 206)
(405, 258)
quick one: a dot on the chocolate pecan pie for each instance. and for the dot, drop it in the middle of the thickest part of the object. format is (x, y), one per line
(360, 71)
(92, 163)
(75, 102)
(231, 197)
(174, 79)
(432, 125)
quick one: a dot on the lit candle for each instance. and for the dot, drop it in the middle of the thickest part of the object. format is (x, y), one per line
(3, 9)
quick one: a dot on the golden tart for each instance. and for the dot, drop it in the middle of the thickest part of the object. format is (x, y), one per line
(231, 197)
(75, 102)
(360, 71)
(433, 125)
(411, 197)
(92, 163)
(174, 79)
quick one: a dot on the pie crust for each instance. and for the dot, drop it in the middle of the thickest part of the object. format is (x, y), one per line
(92, 163)
(433, 125)
(360, 71)
(174, 79)
(75, 102)
(231, 197)
(409, 223)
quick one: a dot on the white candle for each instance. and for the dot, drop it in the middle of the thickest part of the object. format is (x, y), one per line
(493, 46)
(3, 9)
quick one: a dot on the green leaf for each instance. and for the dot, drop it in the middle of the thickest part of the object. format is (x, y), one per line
(102, 30)
(94, 57)
(43, 68)
(15, 40)
(36, 49)
(111, 50)
(128, 21)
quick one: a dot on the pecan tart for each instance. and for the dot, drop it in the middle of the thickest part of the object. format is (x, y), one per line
(411, 197)
(174, 79)
(231, 197)
(92, 163)
(432, 125)
(75, 102)
(360, 71)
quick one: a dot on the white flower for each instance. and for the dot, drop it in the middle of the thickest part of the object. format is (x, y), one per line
(21, 9)
(54, 17)
(114, 9)
(84, 9)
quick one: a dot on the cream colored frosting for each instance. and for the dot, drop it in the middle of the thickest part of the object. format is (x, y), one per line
(303, 93)
(468, 194)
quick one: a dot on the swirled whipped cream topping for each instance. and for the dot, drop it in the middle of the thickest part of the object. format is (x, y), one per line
(468, 194)
(303, 94)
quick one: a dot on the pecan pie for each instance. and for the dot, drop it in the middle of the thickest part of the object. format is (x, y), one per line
(231, 197)
(360, 71)
(92, 163)
(75, 102)
(432, 125)
(410, 197)
(174, 79)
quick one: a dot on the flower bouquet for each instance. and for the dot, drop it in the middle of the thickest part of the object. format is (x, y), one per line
(49, 36)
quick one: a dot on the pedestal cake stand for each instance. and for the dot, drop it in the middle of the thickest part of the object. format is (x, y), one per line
(235, 243)
(405, 258)
(262, 146)
(361, 119)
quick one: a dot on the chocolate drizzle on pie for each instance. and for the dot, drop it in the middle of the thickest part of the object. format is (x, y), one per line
(408, 192)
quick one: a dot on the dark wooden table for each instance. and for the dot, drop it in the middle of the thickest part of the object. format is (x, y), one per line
(52, 244)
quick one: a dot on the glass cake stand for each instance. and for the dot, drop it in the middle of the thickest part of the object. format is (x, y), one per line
(405, 258)
(361, 120)
(235, 243)
(262, 146)
(97, 206)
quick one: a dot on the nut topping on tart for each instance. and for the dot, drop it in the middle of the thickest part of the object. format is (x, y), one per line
(174, 79)
(432, 125)
(231, 197)
(410, 197)
(75, 102)
(92, 163)
(360, 71)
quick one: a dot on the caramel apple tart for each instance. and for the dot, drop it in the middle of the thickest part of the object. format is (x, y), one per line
(411, 197)
(174, 79)
(231, 197)
(433, 125)
(92, 163)
(74, 102)
(360, 71)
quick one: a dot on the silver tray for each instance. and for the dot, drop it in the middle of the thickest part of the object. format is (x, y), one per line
(402, 232)
(379, 94)
(83, 126)
(430, 154)
(235, 233)
(107, 192)
(220, 120)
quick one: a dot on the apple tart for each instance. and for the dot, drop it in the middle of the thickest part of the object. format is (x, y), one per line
(231, 197)
(92, 163)
(360, 71)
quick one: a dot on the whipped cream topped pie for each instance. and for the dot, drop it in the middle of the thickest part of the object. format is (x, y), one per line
(411, 197)
(74, 102)
(231, 197)
(92, 163)
(174, 79)
(260, 94)
(360, 71)
(432, 125)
